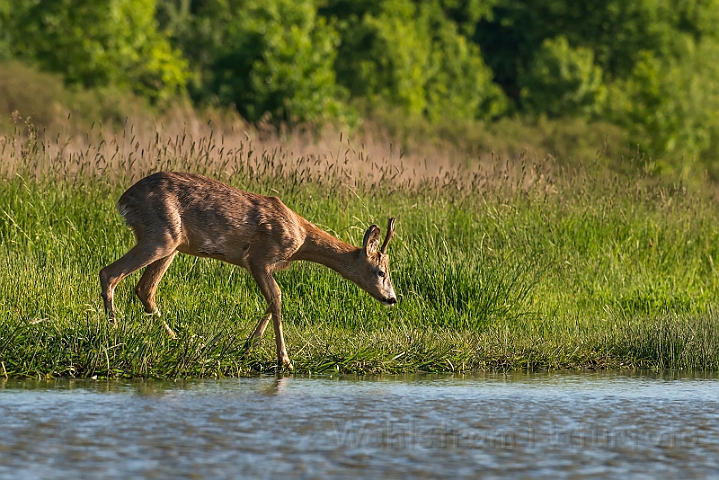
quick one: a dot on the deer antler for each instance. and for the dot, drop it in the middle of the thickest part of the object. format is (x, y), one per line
(390, 233)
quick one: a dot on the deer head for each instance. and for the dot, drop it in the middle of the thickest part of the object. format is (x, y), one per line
(374, 265)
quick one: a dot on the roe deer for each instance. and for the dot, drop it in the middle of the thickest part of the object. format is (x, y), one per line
(172, 212)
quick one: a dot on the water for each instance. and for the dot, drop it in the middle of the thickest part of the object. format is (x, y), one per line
(524, 426)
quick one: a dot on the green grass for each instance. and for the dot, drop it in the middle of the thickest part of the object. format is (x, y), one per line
(578, 270)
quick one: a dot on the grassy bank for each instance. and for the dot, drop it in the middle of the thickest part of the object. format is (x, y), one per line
(496, 265)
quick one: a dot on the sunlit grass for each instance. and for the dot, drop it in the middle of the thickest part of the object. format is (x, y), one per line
(513, 267)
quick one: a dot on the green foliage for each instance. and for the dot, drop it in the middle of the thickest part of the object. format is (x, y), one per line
(264, 57)
(278, 60)
(28, 93)
(466, 13)
(672, 103)
(647, 66)
(615, 30)
(411, 55)
(653, 60)
(459, 84)
(99, 43)
(37, 100)
(563, 81)
(5, 51)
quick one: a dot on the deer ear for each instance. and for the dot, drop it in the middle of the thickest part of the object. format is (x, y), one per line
(371, 240)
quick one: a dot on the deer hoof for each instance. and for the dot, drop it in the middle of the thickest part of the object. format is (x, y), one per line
(169, 331)
(286, 364)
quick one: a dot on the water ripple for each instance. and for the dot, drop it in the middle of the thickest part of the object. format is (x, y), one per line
(540, 425)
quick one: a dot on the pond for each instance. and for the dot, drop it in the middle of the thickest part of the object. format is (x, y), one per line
(555, 425)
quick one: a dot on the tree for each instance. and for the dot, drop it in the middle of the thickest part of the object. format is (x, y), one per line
(97, 43)
(672, 105)
(5, 51)
(271, 57)
(410, 54)
(616, 31)
(563, 81)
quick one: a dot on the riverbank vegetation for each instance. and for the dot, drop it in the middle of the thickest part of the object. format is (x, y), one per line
(553, 170)
(499, 76)
(525, 265)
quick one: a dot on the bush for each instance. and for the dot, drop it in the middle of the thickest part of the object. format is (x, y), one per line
(25, 92)
(563, 81)
(42, 100)
(267, 58)
(98, 43)
(410, 55)
(673, 104)
(278, 60)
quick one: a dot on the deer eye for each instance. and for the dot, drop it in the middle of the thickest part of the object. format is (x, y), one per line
(380, 274)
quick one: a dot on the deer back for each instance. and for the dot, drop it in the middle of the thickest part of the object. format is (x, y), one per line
(207, 218)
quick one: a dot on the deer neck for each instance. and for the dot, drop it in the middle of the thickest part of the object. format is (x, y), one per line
(321, 247)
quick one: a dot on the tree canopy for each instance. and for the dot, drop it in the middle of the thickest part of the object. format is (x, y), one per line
(647, 66)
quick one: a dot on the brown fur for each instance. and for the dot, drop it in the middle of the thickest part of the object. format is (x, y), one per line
(172, 212)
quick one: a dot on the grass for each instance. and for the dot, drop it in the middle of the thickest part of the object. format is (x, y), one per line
(496, 266)
(41, 99)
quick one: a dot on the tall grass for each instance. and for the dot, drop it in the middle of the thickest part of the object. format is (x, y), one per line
(30, 98)
(497, 264)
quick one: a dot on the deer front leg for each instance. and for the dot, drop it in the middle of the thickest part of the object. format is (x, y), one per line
(272, 294)
(282, 357)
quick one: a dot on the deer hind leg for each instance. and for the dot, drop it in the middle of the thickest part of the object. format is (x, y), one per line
(272, 294)
(259, 331)
(147, 286)
(139, 256)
